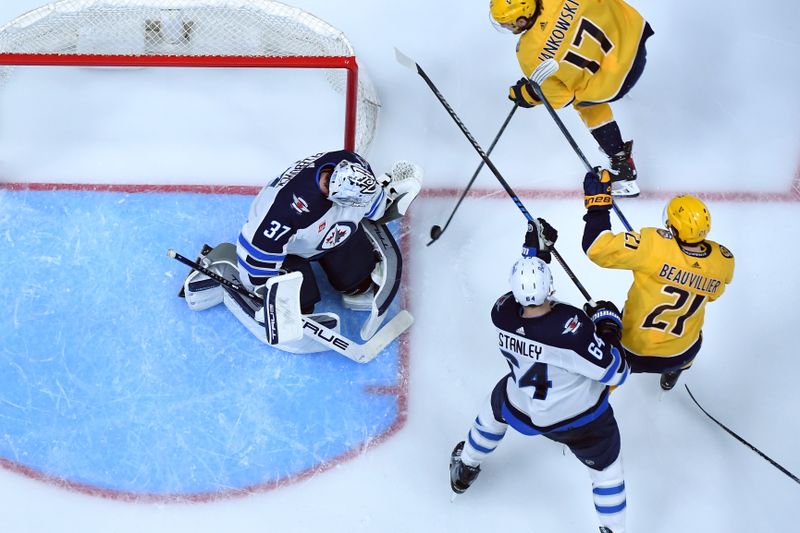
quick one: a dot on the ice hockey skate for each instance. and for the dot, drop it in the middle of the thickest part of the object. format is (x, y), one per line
(623, 173)
(461, 475)
(669, 379)
(605, 530)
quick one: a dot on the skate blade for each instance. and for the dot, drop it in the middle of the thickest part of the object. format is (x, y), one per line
(453, 497)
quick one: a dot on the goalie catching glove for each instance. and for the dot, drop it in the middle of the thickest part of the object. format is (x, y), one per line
(402, 184)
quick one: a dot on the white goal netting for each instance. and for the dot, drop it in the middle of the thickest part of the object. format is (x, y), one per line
(187, 30)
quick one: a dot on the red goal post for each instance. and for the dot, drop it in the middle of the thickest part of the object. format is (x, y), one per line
(194, 33)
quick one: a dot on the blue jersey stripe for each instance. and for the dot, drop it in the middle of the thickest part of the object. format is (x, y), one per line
(624, 375)
(526, 427)
(258, 254)
(376, 204)
(614, 366)
(257, 271)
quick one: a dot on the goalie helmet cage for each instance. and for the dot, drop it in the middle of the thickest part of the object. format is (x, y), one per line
(193, 33)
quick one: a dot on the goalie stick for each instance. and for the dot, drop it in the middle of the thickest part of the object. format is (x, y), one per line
(740, 439)
(360, 353)
(536, 80)
(412, 65)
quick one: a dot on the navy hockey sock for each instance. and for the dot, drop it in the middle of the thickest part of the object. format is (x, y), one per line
(609, 138)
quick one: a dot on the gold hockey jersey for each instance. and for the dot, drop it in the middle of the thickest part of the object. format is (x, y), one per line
(666, 303)
(595, 43)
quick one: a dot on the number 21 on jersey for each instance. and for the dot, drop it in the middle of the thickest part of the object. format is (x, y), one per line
(675, 324)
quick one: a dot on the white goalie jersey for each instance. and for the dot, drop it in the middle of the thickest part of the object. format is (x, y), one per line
(291, 216)
(561, 369)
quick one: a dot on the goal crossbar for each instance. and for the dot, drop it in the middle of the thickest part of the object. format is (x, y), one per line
(348, 63)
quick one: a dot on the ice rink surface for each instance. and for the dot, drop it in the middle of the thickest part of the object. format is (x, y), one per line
(714, 113)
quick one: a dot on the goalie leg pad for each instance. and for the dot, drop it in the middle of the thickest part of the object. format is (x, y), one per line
(251, 315)
(281, 311)
(387, 277)
(202, 292)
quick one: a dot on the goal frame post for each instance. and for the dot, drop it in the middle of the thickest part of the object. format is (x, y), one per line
(348, 63)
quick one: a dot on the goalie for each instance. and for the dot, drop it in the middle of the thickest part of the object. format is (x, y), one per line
(328, 208)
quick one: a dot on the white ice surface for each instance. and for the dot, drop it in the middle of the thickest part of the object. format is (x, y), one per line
(716, 111)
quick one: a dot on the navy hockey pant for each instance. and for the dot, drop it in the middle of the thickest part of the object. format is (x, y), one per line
(347, 267)
(658, 365)
(597, 444)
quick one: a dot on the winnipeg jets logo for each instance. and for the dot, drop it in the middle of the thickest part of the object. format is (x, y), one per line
(299, 204)
(572, 325)
(336, 235)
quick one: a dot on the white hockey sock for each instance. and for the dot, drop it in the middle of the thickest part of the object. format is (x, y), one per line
(608, 491)
(483, 437)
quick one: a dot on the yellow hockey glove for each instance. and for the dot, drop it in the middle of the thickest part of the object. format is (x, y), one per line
(522, 94)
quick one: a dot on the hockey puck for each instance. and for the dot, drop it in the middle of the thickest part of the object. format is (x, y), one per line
(436, 232)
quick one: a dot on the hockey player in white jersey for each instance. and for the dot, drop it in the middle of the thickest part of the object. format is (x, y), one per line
(330, 208)
(563, 364)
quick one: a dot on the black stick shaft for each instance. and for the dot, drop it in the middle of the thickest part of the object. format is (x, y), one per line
(477, 171)
(538, 90)
(740, 439)
(213, 275)
(499, 177)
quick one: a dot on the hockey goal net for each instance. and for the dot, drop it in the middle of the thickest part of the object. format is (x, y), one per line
(194, 33)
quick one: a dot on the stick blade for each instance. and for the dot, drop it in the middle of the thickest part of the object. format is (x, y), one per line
(405, 60)
(386, 335)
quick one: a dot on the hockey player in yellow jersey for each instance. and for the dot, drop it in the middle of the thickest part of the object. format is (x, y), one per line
(676, 272)
(600, 49)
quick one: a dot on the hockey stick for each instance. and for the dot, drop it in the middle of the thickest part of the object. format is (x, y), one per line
(538, 89)
(360, 353)
(740, 439)
(411, 64)
(436, 231)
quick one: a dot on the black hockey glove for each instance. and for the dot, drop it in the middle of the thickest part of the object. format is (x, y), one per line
(597, 190)
(522, 94)
(606, 317)
(539, 239)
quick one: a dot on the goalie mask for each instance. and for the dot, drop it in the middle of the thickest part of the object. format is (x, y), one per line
(352, 185)
(531, 281)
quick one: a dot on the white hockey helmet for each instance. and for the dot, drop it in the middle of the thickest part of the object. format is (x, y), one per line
(352, 185)
(531, 281)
